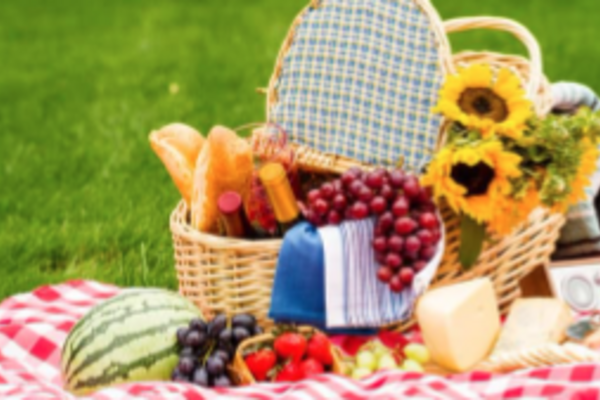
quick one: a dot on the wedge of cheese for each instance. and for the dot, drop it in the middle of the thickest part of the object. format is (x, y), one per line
(533, 322)
(460, 323)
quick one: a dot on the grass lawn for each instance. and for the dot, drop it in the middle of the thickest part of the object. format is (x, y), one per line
(82, 83)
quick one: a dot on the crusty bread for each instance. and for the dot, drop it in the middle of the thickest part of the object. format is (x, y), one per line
(224, 164)
(178, 146)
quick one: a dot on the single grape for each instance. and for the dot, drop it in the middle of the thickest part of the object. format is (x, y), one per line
(257, 331)
(393, 260)
(425, 236)
(380, 244)
(339, 202)
(405, 226)
(425, 196)
(374, 180)
(411, 366)
(215, 366)
(412, 244)
(223, 355)
(384, 274)
(411, 187)
(365, 195)
(247, 321)
(428, 220)
(378, 205)
(417, 352)
(386, 361)
(321, 207)
(313, 196)
(187, 352)
(387, 192)
(409, 256)
(229, 348)
(347, 178)
(338, 187)
(181, 335)
(216, 326)
(355, 188)
(395, 243)
(240, 334)
(222, 381)
(360, 210)
(397, 179)
(400, 207)
(201, 377)
(327, 191)
(312, 217)
(406, 275)
(334, 217)
(436, 235)
(427, 253)
(186, 365)
(386, 221)
(226, 335)
(366, 359)
(198, 325)
(396, 284)
(380, 258)
(195, 339)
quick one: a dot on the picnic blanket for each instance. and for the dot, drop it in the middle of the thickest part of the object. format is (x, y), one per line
(33, 327)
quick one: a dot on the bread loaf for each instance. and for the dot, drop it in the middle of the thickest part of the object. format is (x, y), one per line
(178, 146)
(224, 164)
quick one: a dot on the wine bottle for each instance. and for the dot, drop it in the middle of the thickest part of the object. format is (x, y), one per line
(232, 216)
(281, 196)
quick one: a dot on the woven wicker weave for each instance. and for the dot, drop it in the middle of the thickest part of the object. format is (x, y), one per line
(226, 275)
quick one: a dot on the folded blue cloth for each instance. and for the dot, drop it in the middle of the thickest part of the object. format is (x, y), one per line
(298, 294)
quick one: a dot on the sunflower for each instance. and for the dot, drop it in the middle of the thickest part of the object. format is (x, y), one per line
(475, 100)
(473, 178)
(513, 211)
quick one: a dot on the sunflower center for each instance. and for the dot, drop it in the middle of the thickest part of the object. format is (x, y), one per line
(483, 103)
(476, 178)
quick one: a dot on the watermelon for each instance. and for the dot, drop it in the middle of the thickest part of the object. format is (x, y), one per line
(130, 337)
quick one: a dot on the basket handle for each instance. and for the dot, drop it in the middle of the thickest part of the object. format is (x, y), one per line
(518, 30)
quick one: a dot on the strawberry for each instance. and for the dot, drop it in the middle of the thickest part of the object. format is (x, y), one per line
(319, 348)
(290, 345)
(260, 363)
(311, 367)
(291, 372)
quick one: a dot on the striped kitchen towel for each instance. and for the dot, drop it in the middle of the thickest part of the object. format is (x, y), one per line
(353, 295)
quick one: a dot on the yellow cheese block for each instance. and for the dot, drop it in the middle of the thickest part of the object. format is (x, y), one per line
(533, 322)
(460, 323)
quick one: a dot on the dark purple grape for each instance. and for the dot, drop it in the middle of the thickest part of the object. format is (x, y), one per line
(226, 336)
(186, 365)
(201, 377)
(229, 348)
(222, 381)
(215, 366)
(223, 355)
(240, 334)
(181, 335)
(216, 326)
(198, 325)
(257, 331)
(244, 321)
(178, 376)
(195, 339)
(187, 352)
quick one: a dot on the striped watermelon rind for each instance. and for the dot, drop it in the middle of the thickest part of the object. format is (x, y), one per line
(130, 337)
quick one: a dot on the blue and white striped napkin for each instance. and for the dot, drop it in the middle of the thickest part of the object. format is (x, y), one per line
(354, 297)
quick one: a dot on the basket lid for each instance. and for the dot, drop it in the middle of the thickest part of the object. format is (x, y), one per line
(359, 79)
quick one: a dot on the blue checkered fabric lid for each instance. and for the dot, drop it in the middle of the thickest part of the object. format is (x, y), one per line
(360, 80)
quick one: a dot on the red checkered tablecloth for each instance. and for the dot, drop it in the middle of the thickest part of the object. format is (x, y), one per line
(33, 327)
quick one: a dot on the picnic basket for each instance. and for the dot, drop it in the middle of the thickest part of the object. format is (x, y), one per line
(230, 275)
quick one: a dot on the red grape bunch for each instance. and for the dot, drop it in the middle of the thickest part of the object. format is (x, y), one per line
(407, 229)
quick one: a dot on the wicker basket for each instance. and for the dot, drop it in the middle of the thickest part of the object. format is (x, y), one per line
(228, 275)
(243, 375)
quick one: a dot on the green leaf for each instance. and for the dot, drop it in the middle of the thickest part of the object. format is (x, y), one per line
(472, 235)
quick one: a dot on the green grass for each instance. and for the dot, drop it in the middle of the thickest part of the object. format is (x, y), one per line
(82, 83)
